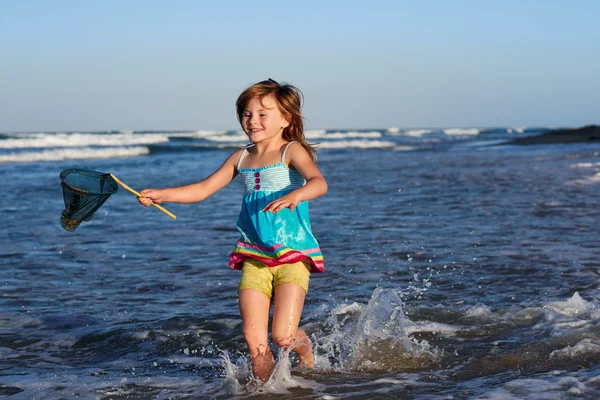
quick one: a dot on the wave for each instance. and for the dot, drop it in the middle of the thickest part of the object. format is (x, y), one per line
(44, 140)
(380, 338)
(241, 137)
(447, 131)
(405, 148)
(213, 136)
(197, 134)
(516, 129)
(322, 134)
(461, 131)
(361, 144)
(589, 180)
(237, 138)
(585, 165)
(56, 146)
(415, 132)
(75, 154)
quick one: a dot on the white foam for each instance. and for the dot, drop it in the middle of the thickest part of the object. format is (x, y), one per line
(141, 336)
(314, 133)
(43, 140)
(461, 131)
(390, 381)
(341, 135)
(574, 307)
(379, 340)
(232, 145)
(75, 154)
(533, 385)
(362, 144)
(200, 134)
(433, 327)
(224, 136)
(410, 132)
(237, 137)
(586, 165)
(348, 308)
(405, 148)
(279, 382)
(479, 311)
(590, 180)
(570, 325)
(584, 347)
(417, 132)
(517, 129)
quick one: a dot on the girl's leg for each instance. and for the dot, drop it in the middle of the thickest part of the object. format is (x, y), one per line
(254, 308)
(289, 301)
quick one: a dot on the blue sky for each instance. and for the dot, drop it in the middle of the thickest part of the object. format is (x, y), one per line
(100, 65)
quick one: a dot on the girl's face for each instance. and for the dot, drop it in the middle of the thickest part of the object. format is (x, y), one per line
(262, 120)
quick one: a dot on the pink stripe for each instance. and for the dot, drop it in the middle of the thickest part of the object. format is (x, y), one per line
(236, 260)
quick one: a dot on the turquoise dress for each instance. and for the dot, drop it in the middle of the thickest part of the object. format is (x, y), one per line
(274, 239)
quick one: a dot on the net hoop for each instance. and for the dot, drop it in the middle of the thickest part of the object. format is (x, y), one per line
(109, 189)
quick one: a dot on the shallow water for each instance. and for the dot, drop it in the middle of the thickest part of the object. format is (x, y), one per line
(454, 270)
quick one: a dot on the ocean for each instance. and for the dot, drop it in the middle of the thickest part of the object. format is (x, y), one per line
(457, 266)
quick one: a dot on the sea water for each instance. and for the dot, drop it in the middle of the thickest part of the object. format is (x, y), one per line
(456, 267)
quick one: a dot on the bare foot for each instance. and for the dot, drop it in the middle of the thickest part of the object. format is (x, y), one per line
(305, 354)
(307, 361)
(262, 364)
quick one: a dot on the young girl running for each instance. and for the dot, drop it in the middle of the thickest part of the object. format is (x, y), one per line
(277, 250)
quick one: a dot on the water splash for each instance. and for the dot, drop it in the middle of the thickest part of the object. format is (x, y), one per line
(373, 338)
(234, 373)
(239, 380)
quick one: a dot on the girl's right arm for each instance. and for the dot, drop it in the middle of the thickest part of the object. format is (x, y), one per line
(197, 191)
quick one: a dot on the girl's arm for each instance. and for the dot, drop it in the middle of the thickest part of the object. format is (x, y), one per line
(315, 183)
(196, 191)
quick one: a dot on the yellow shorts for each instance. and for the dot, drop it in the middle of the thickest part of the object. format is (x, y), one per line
(257, 276)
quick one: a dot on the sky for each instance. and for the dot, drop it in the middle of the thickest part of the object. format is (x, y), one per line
(180, 64)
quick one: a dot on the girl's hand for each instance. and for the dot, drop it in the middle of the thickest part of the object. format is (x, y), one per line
(290, 201)
(150, 196)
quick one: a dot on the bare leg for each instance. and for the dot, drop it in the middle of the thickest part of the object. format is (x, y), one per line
(254, 308)
(289, 301)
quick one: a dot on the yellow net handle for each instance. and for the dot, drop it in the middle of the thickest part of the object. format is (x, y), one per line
(139, 195)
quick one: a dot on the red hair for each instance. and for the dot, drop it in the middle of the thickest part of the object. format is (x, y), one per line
(289, 101)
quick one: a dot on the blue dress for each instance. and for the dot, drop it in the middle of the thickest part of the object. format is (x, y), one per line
(274, 239)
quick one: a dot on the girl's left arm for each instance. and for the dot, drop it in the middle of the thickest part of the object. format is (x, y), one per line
(315, 186)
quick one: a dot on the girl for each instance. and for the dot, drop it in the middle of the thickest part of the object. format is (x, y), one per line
(277, 250)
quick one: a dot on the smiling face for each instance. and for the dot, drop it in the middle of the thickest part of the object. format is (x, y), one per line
(262, 120)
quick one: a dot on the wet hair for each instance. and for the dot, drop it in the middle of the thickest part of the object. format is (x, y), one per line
(289, 101)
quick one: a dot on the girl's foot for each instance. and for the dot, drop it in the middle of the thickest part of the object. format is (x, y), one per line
(305, 354)
(306, 360)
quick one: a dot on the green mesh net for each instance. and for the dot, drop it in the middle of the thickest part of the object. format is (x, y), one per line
(84, 192)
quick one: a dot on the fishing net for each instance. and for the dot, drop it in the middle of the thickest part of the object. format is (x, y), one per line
(85, 191)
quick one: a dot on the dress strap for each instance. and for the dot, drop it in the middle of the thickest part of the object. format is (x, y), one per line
(284, 151)
(240, 159)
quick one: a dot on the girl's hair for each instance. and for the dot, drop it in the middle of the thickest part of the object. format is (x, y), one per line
(289, 100)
